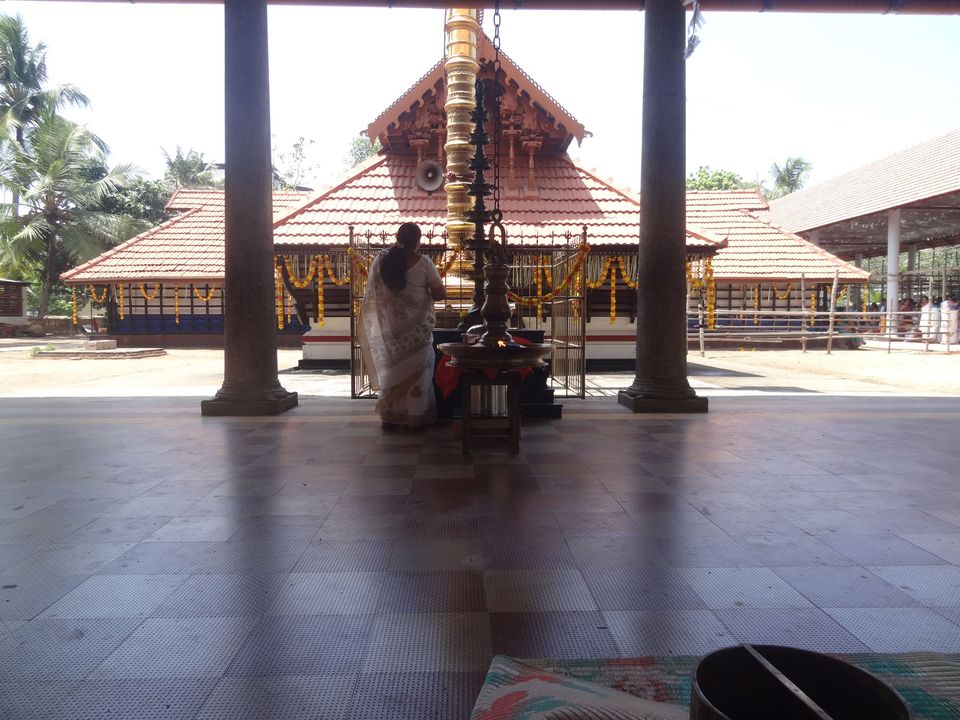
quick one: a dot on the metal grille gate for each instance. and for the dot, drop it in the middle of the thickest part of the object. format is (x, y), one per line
(561, 316)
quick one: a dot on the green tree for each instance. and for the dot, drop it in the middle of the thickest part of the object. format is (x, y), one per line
(23, 74)
(360, 149)
(706, 178)
(59, 227)
(188, 169)
(292, 167)
(142, 199)
(789, 177)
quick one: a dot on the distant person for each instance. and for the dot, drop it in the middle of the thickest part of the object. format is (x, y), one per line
(905, 317)
(949, 312)
(929, 320)
(397, 317)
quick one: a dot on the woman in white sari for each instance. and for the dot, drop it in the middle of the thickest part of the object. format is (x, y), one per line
(396, 334)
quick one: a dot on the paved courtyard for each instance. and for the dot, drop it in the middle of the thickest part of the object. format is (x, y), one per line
(157, 564)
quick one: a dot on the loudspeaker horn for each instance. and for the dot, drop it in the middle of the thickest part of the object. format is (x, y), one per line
(429, 175)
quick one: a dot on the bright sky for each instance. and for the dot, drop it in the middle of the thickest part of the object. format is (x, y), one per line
(837, 90)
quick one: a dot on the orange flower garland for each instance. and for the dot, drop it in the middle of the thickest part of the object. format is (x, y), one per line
(98, 298)
(120, 299)
(149, 296)
(711, 294)
(73, 299)
(204, 298)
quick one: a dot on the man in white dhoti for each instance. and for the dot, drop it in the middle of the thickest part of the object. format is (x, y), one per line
(396, 334)
(949, 315)
(929, 320)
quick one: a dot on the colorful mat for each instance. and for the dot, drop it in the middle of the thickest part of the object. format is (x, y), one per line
(929, 682)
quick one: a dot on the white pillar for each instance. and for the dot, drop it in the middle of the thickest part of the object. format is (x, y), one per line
(893, 267)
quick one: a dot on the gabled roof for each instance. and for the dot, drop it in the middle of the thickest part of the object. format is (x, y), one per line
(385, 194)
(193, 198)
(435, 75)
(188, 248)
(757, 250)
(928, 170)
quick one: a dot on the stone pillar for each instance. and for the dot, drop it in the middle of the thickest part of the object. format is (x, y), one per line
(250, 382)
(893, 268)
(661, 382)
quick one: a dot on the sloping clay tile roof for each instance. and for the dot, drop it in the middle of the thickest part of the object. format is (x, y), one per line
(188, 248)
(922, 171)
(757, 250)
(379, 199)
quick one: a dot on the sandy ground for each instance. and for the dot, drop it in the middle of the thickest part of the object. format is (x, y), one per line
(721, 372)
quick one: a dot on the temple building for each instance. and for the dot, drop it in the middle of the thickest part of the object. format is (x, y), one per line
(573, 240)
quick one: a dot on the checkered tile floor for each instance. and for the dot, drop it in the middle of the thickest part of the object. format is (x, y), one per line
(156, 564)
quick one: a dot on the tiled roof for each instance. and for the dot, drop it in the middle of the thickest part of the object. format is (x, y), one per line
(193, 198)
(923, 171)
(757, 250)
(385, 195)
(724, 200)
(188, 248)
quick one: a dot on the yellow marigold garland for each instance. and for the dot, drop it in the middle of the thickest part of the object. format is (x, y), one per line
(149, 296)
(294, 280)
(785, 294)
(603, 275)
(320, 306)
(538, 284)
(204, 298)
(328, 264)
(577, 265)
(278, 300)
(120, 299)
(711, 294)
(813, 307)
(361, 263)
(756, 304)
(632, 284)
(613, 294)
(444, 267)
(98, 298)
(73, 299)
(176, 303)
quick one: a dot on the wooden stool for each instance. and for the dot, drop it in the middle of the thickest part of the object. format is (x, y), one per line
(509, 378)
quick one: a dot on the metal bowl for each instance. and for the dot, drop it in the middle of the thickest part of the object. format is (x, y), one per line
(506, 357)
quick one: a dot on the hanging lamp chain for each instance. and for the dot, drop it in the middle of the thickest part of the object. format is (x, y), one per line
(497, 214)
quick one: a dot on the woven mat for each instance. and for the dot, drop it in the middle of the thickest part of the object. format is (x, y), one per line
(929, 682)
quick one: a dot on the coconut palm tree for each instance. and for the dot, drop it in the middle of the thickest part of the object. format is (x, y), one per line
(789, 177)
(23, 75)
(57, 227)
(188, 169)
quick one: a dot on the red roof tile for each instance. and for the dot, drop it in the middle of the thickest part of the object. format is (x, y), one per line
(188, 248)
(923, 171)
(757, 250)
(384, 195)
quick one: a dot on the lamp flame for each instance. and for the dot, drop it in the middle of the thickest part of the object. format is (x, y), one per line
(501, 343)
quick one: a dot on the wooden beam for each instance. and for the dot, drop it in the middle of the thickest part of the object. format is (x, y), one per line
(881, 7)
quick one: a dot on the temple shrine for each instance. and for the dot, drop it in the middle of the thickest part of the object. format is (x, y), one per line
(572, 240)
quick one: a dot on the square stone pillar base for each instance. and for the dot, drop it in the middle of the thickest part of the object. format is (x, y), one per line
(253, 406)
(639, 404)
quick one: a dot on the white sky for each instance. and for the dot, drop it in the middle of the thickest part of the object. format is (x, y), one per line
(837, 90)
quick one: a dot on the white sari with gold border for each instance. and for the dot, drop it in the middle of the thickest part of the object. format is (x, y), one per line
(396, 339)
